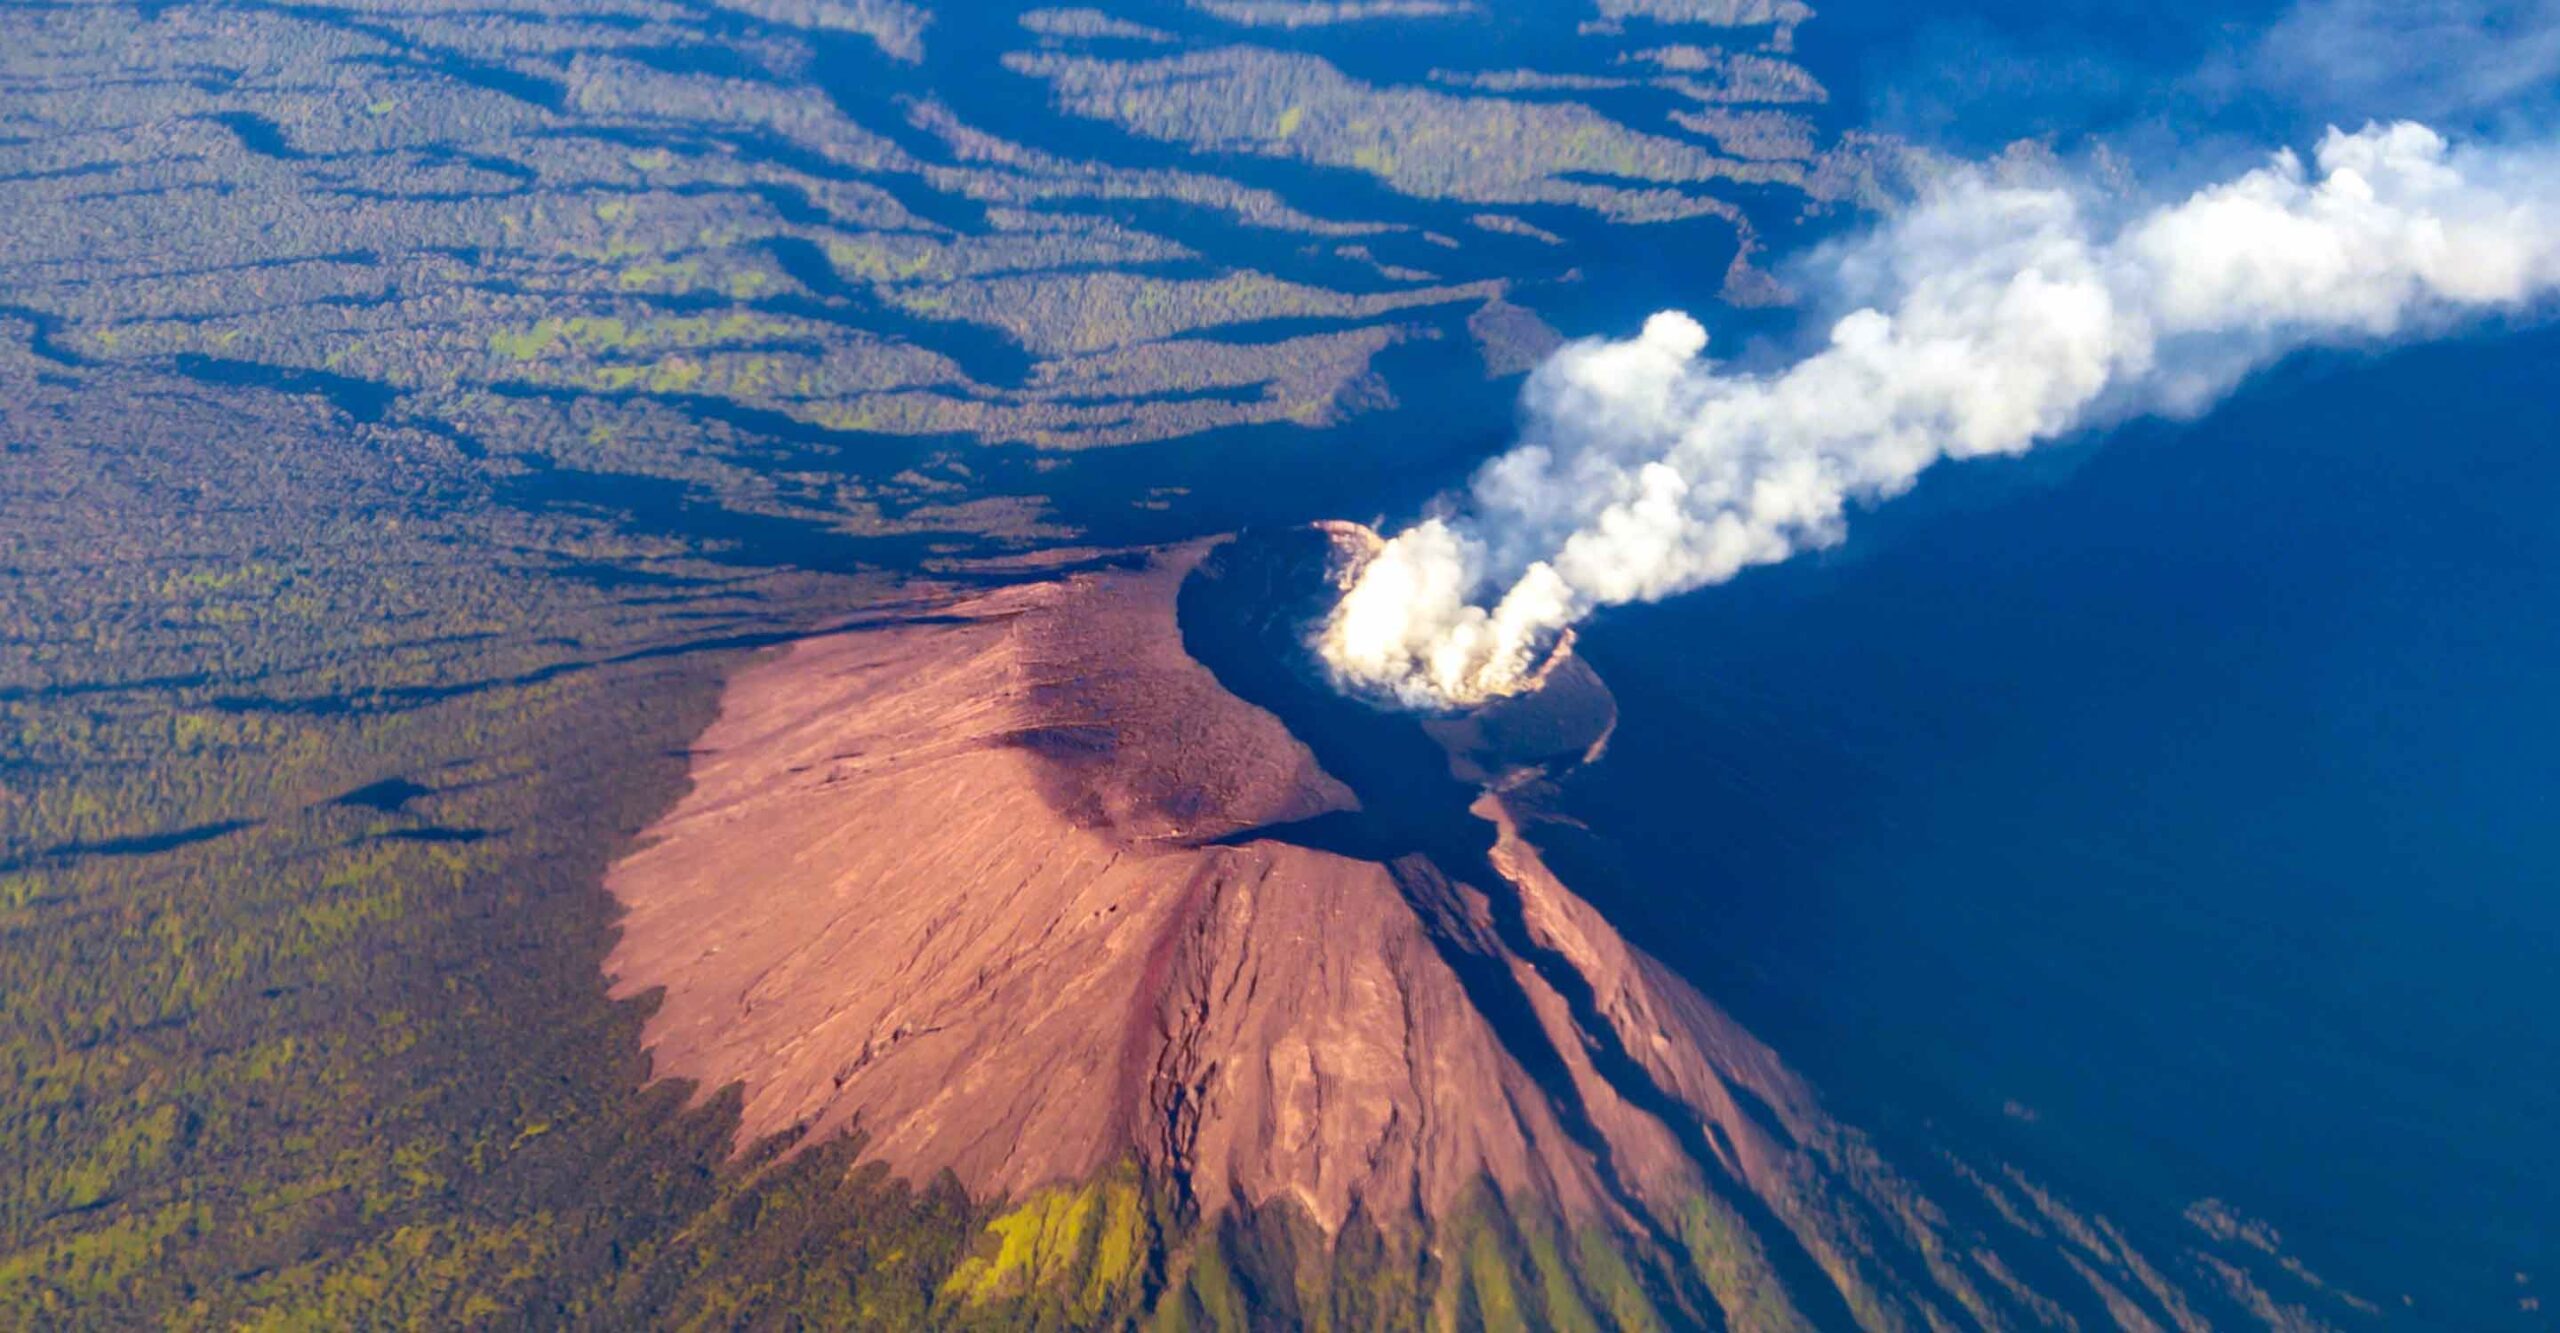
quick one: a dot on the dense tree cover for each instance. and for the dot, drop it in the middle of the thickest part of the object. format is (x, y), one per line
(312, 754)
(312, 758)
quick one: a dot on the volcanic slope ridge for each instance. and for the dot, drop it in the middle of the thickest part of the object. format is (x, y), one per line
(1239, 1017)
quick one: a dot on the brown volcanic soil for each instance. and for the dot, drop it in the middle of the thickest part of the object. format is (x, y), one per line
(958, 879)
(1020, 890)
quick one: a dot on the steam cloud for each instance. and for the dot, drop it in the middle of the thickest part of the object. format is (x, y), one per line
(1991, 317)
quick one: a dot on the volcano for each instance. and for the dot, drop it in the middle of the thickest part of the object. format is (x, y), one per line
(1094, 894)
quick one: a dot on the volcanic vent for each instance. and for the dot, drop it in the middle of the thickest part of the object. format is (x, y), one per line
(1097, 879)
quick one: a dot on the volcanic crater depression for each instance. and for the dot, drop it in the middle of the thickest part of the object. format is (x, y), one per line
(1249, 613)
(1095, 884)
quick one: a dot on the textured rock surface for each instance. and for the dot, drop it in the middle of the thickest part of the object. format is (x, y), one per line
(974, 880)
(958, 878)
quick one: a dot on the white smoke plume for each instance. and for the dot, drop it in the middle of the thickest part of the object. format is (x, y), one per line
(1990, 317)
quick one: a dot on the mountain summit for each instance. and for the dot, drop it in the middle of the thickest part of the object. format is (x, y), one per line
(1093, 894)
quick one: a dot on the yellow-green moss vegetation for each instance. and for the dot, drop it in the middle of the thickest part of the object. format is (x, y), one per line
(889, 259)
(1736, 1269)
(605, 333)
(1505, 1266)
(1081, 1247)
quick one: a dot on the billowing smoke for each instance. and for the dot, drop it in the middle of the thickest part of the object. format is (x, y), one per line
(1988, 318)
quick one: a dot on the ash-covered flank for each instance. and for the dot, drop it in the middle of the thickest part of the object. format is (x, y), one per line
(1096, 895)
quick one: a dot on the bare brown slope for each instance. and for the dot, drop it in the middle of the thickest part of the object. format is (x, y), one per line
(952, 878)
(1008, 886)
